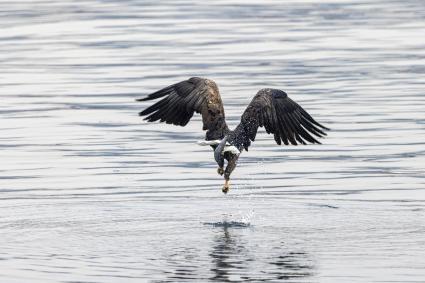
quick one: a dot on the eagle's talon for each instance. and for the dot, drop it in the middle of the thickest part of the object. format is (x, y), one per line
(225, 189)
(220, 171)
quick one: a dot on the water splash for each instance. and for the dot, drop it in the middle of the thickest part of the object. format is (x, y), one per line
(228, 224)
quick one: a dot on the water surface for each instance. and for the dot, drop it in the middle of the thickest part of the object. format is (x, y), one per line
(90, 193)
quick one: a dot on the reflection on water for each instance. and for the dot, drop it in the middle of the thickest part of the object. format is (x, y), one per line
(235, 254)
(229, 255)
(233, 262)
(90, 193)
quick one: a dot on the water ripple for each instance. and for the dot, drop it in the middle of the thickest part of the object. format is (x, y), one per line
(91, 193)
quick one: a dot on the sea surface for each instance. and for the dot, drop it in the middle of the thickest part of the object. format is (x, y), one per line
(89, 192)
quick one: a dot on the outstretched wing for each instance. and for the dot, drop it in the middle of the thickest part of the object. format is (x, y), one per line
(281, 116)
(179, 102)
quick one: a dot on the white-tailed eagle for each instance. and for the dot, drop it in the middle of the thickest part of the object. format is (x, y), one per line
(270, 108)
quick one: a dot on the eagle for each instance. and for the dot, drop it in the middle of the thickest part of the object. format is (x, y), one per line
(270, 108)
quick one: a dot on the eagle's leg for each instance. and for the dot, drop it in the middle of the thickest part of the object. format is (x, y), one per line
(226, 186)
(231, 165)
(220, 164)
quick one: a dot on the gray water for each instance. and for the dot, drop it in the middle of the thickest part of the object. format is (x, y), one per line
(91, 193)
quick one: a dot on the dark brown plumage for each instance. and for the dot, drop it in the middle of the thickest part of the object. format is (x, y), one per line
(270, 108)
(183, 99)
(280, 116)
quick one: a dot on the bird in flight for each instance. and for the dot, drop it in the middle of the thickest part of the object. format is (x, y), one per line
(270, 108)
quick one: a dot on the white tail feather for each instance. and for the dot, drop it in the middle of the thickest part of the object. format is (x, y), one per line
(228, 147)
(204, 143)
